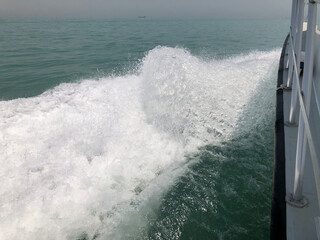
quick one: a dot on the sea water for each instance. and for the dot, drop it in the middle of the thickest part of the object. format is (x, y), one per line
(137, 128)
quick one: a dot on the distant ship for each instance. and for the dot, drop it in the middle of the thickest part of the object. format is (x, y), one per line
(141, 16)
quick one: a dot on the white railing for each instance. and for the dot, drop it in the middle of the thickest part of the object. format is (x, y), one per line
(297, 40)
(303, 94)
(293, 25)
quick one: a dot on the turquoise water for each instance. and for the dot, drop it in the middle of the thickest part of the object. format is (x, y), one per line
(137, 129)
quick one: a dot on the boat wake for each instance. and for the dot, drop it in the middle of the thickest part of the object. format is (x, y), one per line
(83, 160)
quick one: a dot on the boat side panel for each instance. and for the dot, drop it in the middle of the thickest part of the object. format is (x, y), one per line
(278, 208)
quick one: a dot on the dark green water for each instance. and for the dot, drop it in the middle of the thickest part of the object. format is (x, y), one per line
(227, 193)
(37, 55)
(137, 129)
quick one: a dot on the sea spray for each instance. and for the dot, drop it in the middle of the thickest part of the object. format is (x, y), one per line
(200, 101)
(83, 158)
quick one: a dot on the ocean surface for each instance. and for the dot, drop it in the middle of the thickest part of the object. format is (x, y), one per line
(137, 128)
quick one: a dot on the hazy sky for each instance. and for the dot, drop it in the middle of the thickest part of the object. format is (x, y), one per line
(150, 8)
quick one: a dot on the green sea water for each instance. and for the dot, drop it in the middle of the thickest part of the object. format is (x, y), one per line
(137, 128)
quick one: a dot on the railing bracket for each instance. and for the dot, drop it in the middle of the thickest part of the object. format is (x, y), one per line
(284, 87)
(287, 89)
(289, 124)
(302, 203)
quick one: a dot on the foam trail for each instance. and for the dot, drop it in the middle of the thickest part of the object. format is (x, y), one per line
(201, 101)
(79, 159)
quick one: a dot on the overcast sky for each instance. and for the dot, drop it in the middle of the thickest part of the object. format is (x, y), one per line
(149, 8)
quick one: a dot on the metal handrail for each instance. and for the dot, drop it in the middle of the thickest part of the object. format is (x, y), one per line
(293, 24)
(297, 50)
(313, 153)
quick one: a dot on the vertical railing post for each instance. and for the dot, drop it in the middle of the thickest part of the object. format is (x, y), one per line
(294, 96)
(296, 199)
(293, 30)
(306, 90)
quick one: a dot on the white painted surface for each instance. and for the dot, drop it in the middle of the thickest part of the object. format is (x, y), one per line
(301, 221)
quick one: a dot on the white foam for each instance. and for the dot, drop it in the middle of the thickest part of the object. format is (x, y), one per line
(201, 101)
(81, 157)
